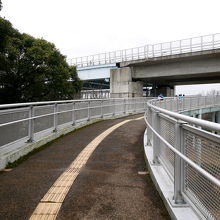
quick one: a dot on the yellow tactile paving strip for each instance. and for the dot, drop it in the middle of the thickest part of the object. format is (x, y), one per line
(50, 204)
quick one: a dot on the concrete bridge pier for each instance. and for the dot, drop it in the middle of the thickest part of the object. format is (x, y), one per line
(217, 117)
(166, 90)
(122, 85)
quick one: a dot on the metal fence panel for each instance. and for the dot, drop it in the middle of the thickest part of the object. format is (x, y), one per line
(203, 193)
(167, 131)
(13, 132)
(197, 176)
(41, 124)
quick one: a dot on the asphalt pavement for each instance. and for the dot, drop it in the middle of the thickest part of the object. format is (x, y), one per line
(113, 184)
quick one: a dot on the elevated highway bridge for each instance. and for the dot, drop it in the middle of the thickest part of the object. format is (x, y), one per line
(182, 62)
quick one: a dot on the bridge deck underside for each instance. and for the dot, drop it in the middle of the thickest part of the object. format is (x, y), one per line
(182, 79)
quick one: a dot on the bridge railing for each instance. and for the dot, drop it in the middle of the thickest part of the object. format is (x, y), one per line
(30, 122)
(189, 150)
(95, 94)
(189, 45)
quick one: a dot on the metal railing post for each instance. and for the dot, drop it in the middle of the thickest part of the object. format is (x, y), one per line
(124, 104)
(171, 48)
(89, 111)
(31, 125)
(102, 109)
(177, 105)
(179, 164)
(105, 59)
(190, 103)
(147, 51)
(144, 51)
(153, 51)
(156, 141)
(201, 42)
(149, 132)
(198, 101)
(113, 107)
(73, 114)
(213, 41)
(190, 45)
(165, 103)
(55, 118)
(134, 105)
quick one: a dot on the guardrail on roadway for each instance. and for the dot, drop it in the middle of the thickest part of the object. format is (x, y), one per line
(189, 45)
(31, 122)
(189, 151)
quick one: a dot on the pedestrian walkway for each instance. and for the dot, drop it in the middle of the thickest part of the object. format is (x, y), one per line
(97, 172)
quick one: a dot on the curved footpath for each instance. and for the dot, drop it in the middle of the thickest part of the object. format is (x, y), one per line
(101, 167)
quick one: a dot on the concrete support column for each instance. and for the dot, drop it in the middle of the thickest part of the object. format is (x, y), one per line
(213, 116)
(122, 86)
(167, 91)
(217, 117)
(200, 114)
(214, 119)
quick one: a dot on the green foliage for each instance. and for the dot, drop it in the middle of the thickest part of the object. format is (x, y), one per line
(33, 69)
(0, 5)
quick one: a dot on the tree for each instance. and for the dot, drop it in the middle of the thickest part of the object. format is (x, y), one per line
(213, 92)
(33, 69)
(0, 5)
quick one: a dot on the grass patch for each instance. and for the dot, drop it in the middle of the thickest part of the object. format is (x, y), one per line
(26, 156)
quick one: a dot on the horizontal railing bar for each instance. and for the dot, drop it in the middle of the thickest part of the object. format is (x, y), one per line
(198, 131)
(196, 121)
(45, 103)
(3, 106)
(170, 119)
(66, 111)
(186, 159)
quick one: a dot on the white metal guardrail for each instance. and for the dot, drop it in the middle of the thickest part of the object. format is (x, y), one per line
(189, 45)
(188, 150)
(27, 122)
(95, 94)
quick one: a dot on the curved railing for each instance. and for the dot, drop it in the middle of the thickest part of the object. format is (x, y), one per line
(189, 45)
(188, 149)
(32, 122)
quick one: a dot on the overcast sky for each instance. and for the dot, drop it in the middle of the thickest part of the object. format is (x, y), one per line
(84, 27)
